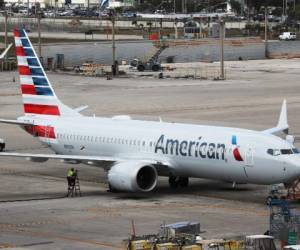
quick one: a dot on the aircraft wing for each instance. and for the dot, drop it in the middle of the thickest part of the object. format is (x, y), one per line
(5, 51)
(92, 160)
(282, 125)
(15, 122)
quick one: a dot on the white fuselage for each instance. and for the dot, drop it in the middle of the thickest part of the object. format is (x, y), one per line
(192, 150)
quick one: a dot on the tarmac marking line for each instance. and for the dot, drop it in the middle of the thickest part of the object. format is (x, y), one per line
(167, 206)
(68, 238)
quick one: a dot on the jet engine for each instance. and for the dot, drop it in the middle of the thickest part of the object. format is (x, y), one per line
(132, 176)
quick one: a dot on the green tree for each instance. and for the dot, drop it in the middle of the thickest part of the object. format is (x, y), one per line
(236, 6)
(296, 14)
(258, 4)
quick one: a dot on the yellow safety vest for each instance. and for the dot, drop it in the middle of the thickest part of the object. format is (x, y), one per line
(70, 173)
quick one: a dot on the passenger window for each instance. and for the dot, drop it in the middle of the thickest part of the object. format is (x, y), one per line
(295, 151)
(270, 151)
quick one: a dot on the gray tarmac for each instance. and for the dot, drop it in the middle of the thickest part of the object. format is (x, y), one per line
(34, 213)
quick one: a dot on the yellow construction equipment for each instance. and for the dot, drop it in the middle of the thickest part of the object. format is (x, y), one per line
(167, 246)
(140, 245)
(191, 247)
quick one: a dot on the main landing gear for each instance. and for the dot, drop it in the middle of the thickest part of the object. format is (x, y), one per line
(175, 181)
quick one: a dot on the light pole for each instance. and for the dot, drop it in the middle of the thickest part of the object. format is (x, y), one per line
(174, 6)
(39, 33)
(222, 34)
(27, 8)
(5, 29)
(112, 15)
(266, 33)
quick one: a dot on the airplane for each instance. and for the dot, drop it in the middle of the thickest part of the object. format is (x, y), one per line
(3, 54)
(135, 152)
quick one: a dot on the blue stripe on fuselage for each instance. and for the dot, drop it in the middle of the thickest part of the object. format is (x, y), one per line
(43, 91)
(25, 42)
(33, 62)
(40, 81)
(28, 52)
(36, 71)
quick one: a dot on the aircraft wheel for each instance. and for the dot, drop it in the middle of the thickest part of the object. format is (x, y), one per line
(173, 182)
(141, 67)
(270, 199)
(111, 189)
(155, 67)
(183, 181)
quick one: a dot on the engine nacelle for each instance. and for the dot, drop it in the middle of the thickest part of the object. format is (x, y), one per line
(132, 176)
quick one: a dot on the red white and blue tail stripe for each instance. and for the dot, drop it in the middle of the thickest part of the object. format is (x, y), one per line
(39, 97)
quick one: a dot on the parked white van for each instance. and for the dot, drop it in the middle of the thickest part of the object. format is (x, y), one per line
(287, 36)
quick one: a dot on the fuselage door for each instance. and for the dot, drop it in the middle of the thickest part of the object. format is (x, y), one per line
(249, 157)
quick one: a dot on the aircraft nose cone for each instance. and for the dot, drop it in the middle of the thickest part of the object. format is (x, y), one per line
(294, 163)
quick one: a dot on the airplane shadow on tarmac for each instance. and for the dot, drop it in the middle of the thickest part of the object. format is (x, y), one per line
(199, 188)
(205, 188)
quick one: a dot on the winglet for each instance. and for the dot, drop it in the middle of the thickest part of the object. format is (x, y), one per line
(282, 124)
(81, 108)
(283, 121)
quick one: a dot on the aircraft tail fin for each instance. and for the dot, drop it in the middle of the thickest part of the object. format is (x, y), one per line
(282, 125)
(38, 94)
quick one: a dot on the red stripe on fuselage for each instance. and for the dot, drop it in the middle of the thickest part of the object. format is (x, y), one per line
(24, 70)
(28, 89)
(16, 33)
(20, 51)
(41, 131)
(41, 109)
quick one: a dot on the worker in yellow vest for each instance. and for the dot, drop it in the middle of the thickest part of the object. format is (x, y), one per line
(71, 177)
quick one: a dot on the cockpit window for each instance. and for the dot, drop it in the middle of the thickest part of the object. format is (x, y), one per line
(286, 151)
(274, 152)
